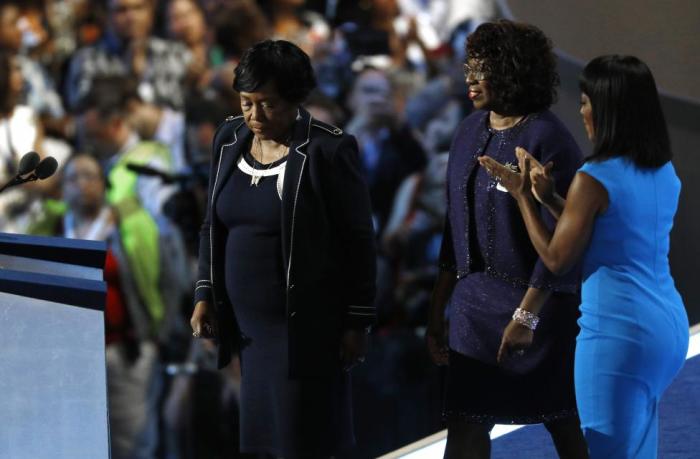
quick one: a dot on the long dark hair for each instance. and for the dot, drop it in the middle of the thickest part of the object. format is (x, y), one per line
(627, 115)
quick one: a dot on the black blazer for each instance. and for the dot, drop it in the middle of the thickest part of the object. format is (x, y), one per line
(327, 243)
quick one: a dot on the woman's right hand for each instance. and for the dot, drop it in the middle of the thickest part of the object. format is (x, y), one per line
(436, 339)
(543, 183)
(203, 321)
(516, 339)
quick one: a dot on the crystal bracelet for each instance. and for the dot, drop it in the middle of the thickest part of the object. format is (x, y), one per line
(526, 318)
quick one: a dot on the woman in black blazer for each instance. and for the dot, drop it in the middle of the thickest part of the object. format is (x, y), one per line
(286, 260)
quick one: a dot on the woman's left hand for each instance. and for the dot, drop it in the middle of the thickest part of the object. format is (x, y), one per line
(517, 182)
(353, 348)
(517, 338)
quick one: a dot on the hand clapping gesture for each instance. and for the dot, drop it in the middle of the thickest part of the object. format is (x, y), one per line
(530, 177)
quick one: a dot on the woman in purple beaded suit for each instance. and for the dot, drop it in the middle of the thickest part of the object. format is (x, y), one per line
(489, 268)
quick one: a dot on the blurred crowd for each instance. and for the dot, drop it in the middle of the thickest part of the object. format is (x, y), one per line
(127, 95)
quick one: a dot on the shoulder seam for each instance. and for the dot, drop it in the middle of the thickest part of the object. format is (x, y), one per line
(328, 128)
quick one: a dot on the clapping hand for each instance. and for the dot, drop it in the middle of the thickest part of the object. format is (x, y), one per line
(539, 177)
(516, 182)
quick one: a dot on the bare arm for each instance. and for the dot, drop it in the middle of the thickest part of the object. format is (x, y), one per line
(543, 189)
(543, 186)
(585, 200)
(442, 291)
(534, 299)
(561, 250)
(517, 336)
(436, 335)
(555, 206)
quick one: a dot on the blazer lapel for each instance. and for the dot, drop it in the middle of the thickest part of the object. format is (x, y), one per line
(296, 163)
(229, 157)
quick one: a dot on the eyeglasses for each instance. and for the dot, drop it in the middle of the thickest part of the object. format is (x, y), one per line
(477, 72)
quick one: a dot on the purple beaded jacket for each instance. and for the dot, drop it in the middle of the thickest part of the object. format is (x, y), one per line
(507, 253)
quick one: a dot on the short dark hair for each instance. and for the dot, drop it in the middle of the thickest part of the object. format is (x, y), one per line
(83, 154)
(519, 63)
(109, 95)
(627, 115)
(281, 62)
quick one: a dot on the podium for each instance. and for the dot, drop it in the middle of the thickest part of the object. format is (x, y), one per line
(53, 395)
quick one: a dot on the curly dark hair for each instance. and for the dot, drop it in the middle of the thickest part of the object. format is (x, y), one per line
(519, 64)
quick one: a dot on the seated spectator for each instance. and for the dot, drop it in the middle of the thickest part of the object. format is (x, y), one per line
(128, 49)
(134, 306)
(158, 123)
(39, 90)
(388, 149)
(412, 238)
(20, 132)
(386, 38)
(291, 21)
(187, 25)
(106, 130)
(238, 25)
(436, 137)
(324, 109)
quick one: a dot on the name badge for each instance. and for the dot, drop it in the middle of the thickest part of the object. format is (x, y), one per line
(515, 169)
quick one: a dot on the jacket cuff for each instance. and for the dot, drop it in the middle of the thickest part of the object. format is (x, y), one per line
(203, 291)
(358, 317)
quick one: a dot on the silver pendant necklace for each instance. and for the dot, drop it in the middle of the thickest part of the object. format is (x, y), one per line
(255, 177)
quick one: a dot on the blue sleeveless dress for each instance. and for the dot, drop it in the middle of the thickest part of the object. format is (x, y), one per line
(634, 328)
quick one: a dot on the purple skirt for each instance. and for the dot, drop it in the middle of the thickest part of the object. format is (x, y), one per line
(534, 388)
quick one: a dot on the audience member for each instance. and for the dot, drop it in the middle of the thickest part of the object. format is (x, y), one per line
(388, 150)
(187, 25)
(20, 132)
(128, 49)
(134, 306)
(39, 91)
(107, 132)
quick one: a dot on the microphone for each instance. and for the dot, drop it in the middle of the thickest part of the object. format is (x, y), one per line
(30, 162)
(153, 172)
(46, 168)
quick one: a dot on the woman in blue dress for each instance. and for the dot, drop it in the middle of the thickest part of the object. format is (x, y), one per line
(617, 217)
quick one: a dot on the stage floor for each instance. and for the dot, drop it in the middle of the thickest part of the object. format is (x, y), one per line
(679, 424)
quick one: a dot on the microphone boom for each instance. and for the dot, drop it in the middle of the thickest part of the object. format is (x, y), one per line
(30, 162)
